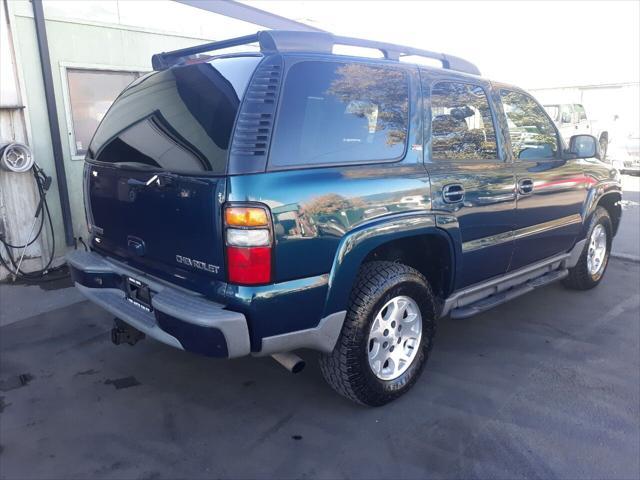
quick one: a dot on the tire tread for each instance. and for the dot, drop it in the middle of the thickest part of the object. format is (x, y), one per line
(338, 367)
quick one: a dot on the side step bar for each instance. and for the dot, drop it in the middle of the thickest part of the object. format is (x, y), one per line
(485, 295)
(503, 297)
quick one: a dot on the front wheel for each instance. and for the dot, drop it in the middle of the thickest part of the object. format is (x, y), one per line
(589, 270)
(386, 337)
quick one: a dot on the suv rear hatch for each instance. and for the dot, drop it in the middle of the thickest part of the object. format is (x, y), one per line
(155, 172)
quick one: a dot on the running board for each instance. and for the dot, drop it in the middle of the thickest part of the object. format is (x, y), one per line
(511, 284)
(507, 295)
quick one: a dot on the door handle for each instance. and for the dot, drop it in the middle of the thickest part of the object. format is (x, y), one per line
(453, 193)
(525, 186)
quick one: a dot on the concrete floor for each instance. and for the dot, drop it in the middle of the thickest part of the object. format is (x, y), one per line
(544, 387)
(627, 242)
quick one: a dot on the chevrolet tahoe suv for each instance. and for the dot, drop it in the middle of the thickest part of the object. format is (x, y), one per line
(263, 202)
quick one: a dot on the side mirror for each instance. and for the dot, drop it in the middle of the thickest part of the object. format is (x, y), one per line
(584, 146)
(566, 117)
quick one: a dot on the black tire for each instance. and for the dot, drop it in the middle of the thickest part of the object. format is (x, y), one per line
(347, 368)
(604, 144)
(579, 277)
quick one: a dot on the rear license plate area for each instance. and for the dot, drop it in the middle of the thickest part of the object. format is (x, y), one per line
(138, 293)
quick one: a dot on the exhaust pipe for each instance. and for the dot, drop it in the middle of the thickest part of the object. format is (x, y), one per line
(290, 361)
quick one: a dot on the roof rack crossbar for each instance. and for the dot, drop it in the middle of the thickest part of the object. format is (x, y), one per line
(312, 42)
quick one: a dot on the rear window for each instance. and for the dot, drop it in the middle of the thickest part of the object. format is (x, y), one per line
(179, 119)
(340, 113)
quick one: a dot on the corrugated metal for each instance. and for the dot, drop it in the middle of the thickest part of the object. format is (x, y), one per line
(18, 194)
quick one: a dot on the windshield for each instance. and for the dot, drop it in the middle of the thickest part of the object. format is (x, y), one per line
(179, 119)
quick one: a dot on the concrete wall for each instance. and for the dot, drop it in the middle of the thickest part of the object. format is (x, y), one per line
(603, 103)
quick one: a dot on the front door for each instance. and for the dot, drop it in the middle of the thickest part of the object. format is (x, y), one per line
(471, 180)
(550, 189)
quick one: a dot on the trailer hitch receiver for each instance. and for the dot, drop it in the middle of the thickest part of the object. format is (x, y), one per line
(122, 332)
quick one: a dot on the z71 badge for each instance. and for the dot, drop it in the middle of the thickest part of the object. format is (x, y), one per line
(207, 267)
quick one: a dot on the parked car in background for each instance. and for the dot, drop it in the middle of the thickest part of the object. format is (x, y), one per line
(571, 119)
(625, 154)
(259, 203)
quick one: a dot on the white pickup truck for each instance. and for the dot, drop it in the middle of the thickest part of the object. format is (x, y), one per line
(571, 119)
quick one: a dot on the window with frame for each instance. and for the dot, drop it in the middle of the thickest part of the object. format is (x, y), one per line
(91, 93)
(340, 113)
(461, 123)
(582, 114)
(532, 133)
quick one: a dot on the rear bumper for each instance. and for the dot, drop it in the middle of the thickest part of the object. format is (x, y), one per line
(181, 319)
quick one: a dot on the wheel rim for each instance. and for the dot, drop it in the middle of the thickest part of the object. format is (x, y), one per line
(394, 339)
(597, 250)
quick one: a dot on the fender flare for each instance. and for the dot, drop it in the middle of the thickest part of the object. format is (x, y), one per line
(358, 243)
(595, 194)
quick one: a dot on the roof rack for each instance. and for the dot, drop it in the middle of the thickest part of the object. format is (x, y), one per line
(272, 41)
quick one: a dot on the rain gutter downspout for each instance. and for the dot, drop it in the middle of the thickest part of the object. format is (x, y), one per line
(54, 126)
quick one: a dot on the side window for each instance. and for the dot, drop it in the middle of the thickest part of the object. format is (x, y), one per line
(338, 113)
(582, 115)
(567, 114)
(531, 131)
(461, 123)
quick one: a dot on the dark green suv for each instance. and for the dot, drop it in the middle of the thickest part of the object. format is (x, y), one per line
(259, 203)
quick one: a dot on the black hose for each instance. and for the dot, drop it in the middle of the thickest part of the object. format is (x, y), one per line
(43, 183)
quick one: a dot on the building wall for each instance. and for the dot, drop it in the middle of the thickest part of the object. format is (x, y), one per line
(78, 43)
(18, 199)
(614, 105)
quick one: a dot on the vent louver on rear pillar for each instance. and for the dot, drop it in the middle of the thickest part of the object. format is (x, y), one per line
(254, 126)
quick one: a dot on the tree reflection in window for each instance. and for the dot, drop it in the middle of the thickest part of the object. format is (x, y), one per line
(379, 94)
(461, 123)
(339, 113)
(531, 131)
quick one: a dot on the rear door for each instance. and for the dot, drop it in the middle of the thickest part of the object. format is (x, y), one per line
(471, 178)
(550, 188)
(155, 174)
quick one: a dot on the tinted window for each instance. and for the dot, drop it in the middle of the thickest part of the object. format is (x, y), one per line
(531, 131)
(179, 119)
(333, 113)
(461, 123)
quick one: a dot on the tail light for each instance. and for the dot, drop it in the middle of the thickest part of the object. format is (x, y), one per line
(249, 244)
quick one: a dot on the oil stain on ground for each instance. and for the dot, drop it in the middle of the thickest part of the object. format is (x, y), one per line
(3, 405)
(16, 381)
(91, 371)
(125, 382)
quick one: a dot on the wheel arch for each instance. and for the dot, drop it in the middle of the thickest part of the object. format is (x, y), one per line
(611, 203)
(607, 196)
(411, 239)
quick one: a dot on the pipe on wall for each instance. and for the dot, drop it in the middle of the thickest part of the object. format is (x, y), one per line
(54, 126)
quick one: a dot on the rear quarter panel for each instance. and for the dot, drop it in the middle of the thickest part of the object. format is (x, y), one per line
(313, 209)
